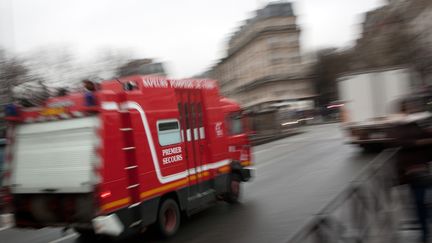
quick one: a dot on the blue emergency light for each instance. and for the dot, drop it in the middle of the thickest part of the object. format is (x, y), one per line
(90, 99)
(11, 110)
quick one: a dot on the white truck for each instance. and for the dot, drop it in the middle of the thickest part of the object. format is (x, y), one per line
(376, 102)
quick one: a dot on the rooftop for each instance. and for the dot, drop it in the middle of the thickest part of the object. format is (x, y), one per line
(274, 9)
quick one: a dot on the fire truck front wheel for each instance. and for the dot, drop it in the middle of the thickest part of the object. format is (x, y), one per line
(168, 218)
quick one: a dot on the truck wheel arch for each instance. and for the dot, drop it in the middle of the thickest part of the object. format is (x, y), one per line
(177, 196)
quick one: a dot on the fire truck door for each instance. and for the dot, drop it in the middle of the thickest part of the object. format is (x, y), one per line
(196, 138)
(191, 119)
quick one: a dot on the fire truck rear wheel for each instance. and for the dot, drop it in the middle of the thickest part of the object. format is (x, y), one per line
(233, 194)
(168, 218)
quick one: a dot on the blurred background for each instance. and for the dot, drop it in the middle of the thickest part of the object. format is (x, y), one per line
(279, 59)
(330, 71)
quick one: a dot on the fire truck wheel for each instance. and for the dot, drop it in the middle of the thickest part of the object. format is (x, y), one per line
(168, 218)
(233, 194)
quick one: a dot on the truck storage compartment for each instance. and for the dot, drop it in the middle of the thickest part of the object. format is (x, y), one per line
(55, 157)
(36, 210)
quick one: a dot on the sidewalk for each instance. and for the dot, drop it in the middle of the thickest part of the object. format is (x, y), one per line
(258, 140)
(410, 236)
(408, 230)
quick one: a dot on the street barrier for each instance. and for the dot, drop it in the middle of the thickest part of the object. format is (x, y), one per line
(366, 211)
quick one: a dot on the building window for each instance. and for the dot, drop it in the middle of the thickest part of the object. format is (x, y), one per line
(273, 41)
(279, 93)
(295, 59)
(168, 132)
(277, 57)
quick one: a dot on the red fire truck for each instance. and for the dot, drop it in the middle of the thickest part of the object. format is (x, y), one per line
(135, 152)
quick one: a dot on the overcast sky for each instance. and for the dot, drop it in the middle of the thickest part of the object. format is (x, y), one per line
(190, 35)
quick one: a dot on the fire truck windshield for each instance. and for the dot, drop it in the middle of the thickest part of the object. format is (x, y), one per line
(235, 124)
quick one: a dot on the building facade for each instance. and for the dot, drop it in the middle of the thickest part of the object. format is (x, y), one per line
(421, 27)
(398, 33)
(142, 67)
(263, 65)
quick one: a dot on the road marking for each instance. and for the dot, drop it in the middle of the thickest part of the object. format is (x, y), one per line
(270, 162)
(5, 228)
(64, 238)
(272, 148)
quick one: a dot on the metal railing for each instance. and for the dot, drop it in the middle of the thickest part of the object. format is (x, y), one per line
(366, 211)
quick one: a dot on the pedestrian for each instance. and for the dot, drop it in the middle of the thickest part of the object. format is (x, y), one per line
(89, 86)
(416, 174)
(415, 159)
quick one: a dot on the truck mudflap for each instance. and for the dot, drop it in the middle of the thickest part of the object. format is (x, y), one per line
(245, 173)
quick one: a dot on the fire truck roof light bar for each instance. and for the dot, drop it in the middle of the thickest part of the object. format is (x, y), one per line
(11, 110)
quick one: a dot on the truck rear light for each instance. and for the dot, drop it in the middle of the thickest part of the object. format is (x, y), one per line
(6, 195)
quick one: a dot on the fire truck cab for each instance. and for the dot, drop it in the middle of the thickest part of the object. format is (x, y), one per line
(134, 152)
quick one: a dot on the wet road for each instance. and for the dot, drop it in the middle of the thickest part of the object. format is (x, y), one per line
(295, 178)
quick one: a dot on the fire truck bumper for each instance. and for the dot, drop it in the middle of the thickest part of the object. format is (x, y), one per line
(246, 173)
(108, 225)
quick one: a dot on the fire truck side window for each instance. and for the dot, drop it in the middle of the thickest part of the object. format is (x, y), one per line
(235, 124)
(168, 132)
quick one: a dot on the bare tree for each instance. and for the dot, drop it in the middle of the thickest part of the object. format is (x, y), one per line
(329, 65)
(45, 71)
(12, 73)
(389, 39)
(108, 61)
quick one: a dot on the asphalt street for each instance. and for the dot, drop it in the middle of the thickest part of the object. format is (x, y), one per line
(295, 177)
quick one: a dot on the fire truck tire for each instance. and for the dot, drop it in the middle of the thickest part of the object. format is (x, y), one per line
(233, 194)
(168, 218)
